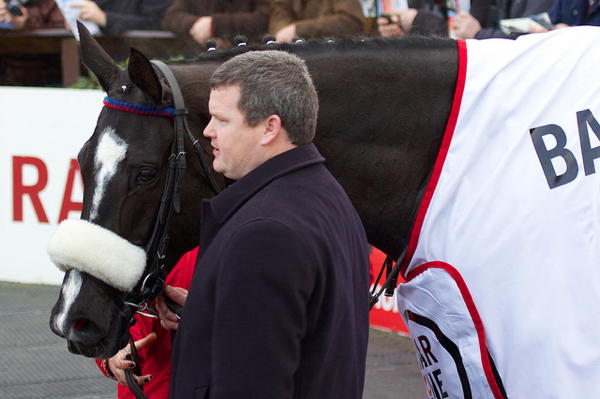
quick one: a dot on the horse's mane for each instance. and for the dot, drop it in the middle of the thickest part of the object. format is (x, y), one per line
(326, 46)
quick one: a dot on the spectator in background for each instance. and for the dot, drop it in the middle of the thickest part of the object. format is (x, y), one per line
(430, 18)
(422, 17)
(117, 16)
(32, 69)
(313, 19)
(468, 27)
(564, 13)
(219, 20)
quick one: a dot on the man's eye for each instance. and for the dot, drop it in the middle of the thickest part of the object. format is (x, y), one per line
(145, 175)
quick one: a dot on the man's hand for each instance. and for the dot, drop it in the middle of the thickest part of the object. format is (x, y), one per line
(286, 34)
(389, 27)
(89, 11)
(168, 319)
(119, 362)
(18, 21)
(201, 31)
(397, 24)
(466, 26)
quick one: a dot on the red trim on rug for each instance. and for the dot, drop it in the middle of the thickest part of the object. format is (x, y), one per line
(439, 162)
(468, 300)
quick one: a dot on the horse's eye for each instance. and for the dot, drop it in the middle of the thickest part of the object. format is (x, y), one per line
(145, 175)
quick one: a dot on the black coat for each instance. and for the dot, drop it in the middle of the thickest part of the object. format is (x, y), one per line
(278, 306)
(504, 9)
(127, 15)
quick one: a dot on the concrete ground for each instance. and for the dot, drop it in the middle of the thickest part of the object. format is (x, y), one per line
(34, 363)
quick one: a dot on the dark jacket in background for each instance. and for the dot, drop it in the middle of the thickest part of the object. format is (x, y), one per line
(229, 17)
(432, 16)
(575, 12)
(124, 15)
(35, 69)
(278, 306)
(504, 9)
(315, 19)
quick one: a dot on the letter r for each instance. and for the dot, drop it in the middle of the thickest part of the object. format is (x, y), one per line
(20, 190)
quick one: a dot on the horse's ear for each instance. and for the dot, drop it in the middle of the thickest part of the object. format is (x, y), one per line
(143, 75)
(96, 59)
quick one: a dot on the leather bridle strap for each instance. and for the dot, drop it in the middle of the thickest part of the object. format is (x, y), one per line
(180, 105)
(129, 374)
(156, 248)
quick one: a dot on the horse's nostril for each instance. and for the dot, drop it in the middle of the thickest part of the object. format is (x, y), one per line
(85, 331)
(80, 324)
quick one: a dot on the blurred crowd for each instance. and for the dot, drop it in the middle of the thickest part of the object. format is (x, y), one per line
(285, 20)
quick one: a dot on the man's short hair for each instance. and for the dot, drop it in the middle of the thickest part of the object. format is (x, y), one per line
(273, 82)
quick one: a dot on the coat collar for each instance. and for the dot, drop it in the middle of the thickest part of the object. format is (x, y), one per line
(233, 197)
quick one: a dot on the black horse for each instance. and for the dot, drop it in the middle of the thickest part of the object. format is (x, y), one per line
(383, 108)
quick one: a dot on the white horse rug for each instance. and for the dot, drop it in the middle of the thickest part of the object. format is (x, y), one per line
(503, 267)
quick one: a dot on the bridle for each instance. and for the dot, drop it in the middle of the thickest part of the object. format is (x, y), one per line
(152, 284)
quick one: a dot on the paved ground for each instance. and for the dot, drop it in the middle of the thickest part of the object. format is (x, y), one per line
(34, 363)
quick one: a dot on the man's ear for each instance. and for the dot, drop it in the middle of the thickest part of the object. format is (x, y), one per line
(273, 129)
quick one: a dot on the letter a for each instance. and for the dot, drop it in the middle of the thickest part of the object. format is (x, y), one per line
(67, 204)
(545, 155)
(589, 154)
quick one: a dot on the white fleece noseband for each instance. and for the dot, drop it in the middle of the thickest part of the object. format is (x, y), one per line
(81, 245)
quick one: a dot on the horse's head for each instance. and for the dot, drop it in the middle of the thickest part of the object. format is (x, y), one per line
(108, 254)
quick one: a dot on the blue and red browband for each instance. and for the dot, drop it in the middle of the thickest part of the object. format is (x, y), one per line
(138, 109)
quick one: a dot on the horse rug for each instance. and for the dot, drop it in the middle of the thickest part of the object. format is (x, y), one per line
(503, 276)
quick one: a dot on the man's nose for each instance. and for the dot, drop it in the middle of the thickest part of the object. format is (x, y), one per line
(208, 130)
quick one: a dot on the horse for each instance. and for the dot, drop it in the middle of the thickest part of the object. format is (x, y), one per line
(387, 110)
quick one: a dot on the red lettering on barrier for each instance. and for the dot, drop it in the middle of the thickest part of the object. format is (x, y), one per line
(20, 190)
(67, 204)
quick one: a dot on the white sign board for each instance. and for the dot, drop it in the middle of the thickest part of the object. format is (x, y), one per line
(41, 132)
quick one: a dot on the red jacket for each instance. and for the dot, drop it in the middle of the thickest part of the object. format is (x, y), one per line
(156, 359)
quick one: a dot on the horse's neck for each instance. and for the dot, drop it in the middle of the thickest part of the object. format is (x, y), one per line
(381, 120)
(394, 109)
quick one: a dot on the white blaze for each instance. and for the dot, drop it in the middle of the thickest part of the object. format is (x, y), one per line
(70, 290)
(111, 150)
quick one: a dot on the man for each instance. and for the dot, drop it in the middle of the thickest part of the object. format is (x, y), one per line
(278, 307)
(467, 26)
(26, 69)
(219, 20)
(315, 19)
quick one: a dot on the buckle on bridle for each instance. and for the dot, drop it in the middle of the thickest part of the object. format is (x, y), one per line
(142, 309)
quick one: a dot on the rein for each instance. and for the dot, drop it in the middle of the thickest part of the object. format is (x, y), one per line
(156, 248)
(391, 279)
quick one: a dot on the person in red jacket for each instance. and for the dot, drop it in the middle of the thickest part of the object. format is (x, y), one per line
(153, 343)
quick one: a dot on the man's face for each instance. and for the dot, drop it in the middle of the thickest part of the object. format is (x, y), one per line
(236, 145)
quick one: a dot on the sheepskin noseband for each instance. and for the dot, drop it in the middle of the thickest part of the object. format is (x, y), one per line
(81, 245)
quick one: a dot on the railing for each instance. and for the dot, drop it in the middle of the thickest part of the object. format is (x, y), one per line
(154, 44)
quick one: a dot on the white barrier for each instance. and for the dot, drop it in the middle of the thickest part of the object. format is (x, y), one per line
(41, 132)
